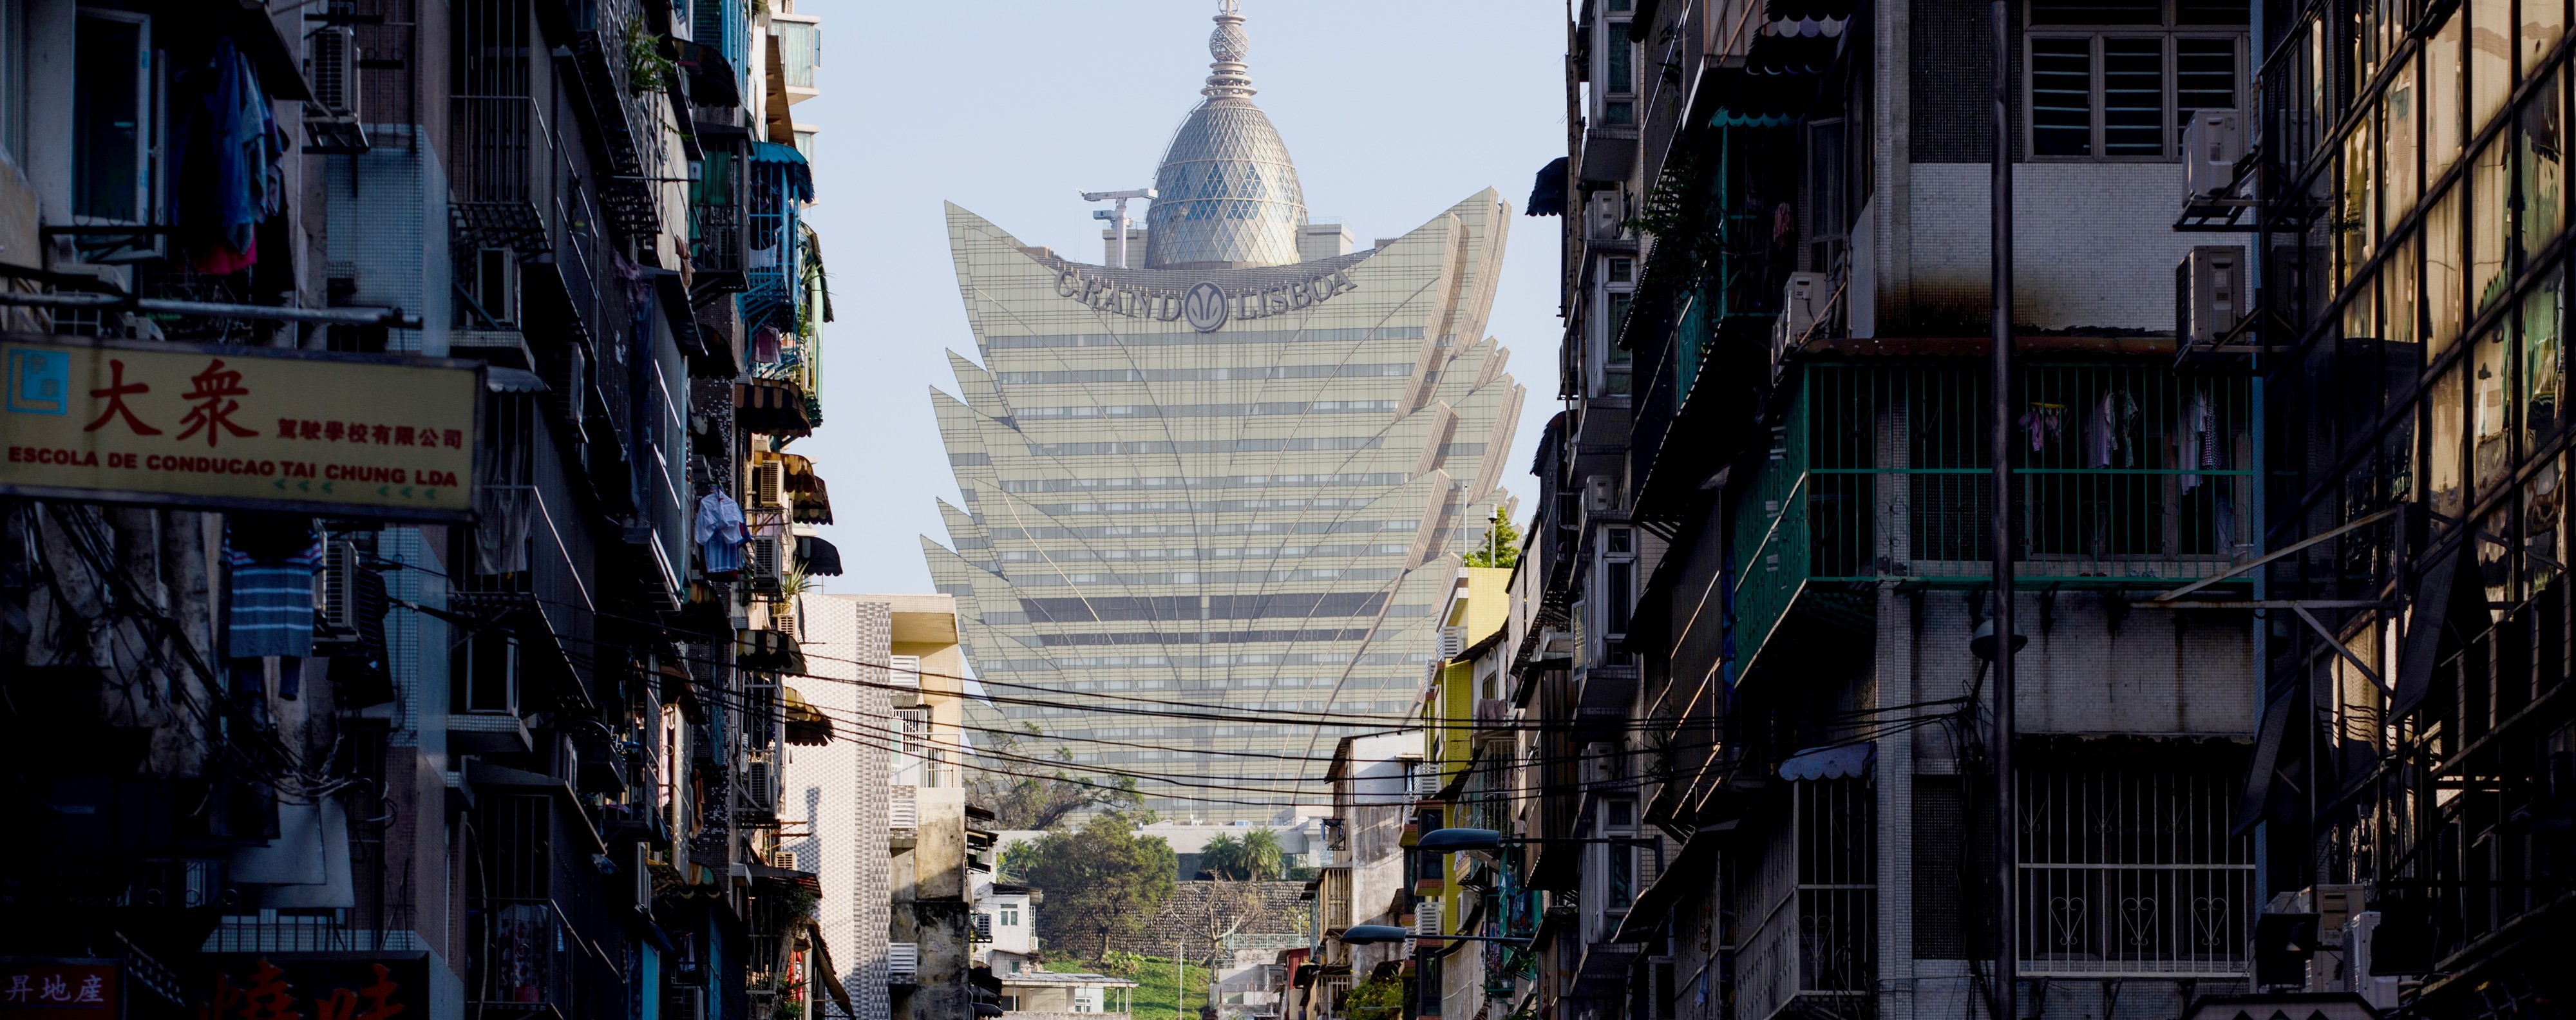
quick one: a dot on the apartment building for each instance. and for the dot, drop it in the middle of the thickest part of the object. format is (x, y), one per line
(1750, 718)
(403, 630)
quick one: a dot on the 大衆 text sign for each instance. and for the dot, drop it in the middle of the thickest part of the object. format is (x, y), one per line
(238, 428)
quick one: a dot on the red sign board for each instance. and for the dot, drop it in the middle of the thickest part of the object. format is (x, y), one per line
(58, 989)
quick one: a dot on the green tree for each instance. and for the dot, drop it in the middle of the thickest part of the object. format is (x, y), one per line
(1254, 858)
(1262, 858)
(1101, 880)
(1501, 546)
(1378, 998)
(1031, 802)
(1221, 856)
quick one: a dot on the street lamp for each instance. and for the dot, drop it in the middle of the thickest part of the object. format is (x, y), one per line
(1372, 934)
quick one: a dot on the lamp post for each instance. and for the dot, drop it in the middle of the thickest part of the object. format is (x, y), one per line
(1117, 215)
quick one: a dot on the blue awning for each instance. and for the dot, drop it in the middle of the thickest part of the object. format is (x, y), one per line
(800, 175)
(1850, 761)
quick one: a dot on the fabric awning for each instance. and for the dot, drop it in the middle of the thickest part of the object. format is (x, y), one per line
(769, 650)
(813, 506)
(1547, 194)
(512, 380)
(1849, 761)
(800, 176)
(805, 726)
(772, 407)
(821, 558)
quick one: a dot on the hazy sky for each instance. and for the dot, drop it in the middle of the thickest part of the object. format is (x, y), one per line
(1394, 112)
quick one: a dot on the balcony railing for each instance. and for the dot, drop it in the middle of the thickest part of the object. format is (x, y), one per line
(503, 175)
(2125, 477)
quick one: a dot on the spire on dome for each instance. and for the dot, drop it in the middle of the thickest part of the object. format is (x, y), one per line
(1229, 196)
(1229, 44)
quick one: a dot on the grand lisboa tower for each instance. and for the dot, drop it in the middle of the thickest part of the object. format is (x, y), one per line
(1238, 478)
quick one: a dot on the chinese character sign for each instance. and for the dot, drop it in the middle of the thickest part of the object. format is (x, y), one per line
(184, 425)
(307, 988)
(69, 989)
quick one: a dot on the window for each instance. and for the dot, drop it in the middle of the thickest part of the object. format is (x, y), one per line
(488, 671)
(2117, 79)
(1618, 74)
(112, 108)
(1010, 917)
(1623, 271)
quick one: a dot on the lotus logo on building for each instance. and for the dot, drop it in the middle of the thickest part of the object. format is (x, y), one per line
(1205, 306)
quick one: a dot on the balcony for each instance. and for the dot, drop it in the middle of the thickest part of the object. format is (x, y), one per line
(779, 184)
(2127, 477)
(719, 222)
(503, 178)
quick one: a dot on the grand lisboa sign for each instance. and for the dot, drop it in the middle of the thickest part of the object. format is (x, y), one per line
(1205, 305)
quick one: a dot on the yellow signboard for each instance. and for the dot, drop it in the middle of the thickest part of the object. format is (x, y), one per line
(167, 424)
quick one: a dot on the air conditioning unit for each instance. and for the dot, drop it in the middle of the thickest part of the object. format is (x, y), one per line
(334, 71)
(760, 782)
(2212, 142)
(764, 562)
(783, 621)
(2360, 931)
(903, 808)
(335, 601)
(688, 1002)
(769, 485)
(1600, 765)
(783, 859)
(903, 962)
(1453, 641)
(2209, 294)
(1600, 493)
(1426, 919)
(1802, 305)
(904, 671)
(1423, 780)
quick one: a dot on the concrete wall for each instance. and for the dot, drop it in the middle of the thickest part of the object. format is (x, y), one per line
(2093, 245)
(841, 790)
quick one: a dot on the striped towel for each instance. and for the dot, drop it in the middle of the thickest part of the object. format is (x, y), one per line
(272, 603)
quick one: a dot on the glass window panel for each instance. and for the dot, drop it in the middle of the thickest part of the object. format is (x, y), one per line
(2543, 361)
(2402, 303)
(2543, 21)
(2061, 97)
(1622, 78)
(2204, 76)
(2353, 224)
(2490, 59)
(2540, 158)
(2443, 305)
(2133, 97)
(110, 114)
(2544, 525)
(2490, 202)
(2442, 112)
(2491, 376)
(2495, 556)
(2398, 169)
(2397, 456)
(2446, 413)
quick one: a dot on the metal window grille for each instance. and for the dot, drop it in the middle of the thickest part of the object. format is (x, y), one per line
(2130, 874)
